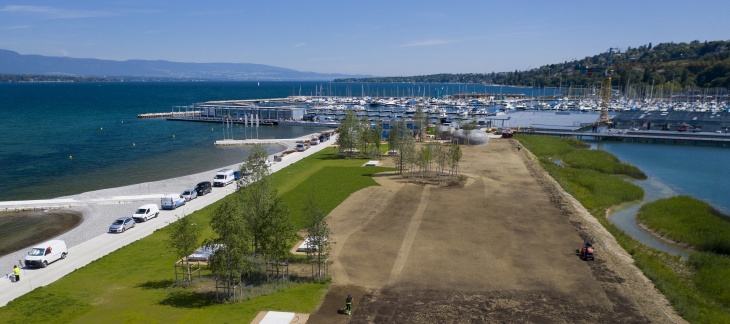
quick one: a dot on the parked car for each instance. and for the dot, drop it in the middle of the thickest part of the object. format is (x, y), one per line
(145, 212)
(121, 225)
(223, 178)
(204, 188)
(171, 201)
(300, 147)
(204, 253)
(236, 175)
(393, 152)
(47, 252)
(189, 194)
(314, 141)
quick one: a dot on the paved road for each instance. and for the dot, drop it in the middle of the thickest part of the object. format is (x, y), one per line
(89, 241)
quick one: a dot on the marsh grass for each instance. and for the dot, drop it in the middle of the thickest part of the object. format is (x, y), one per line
(601, 161)
(698, 288)
(688, 220)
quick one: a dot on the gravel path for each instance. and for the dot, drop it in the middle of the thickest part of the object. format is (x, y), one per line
(90, 240)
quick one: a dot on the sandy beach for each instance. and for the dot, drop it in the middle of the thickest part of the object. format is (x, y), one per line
(89, 240)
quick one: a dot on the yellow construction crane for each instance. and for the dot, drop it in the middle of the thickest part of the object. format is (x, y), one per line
(603, 119)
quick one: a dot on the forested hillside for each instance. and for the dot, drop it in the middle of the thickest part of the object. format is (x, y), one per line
(681, 65)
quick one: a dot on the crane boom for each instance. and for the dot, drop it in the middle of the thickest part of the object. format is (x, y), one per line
(604, 118)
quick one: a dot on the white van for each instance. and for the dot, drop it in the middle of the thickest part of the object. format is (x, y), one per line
(171, 201)
(145, 212)
(223, 177)
(45, 253)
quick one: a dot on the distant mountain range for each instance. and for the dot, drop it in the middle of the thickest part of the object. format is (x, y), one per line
(18, 64)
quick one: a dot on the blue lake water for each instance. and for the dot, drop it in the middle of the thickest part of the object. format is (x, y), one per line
(698, 171)
(59, 139)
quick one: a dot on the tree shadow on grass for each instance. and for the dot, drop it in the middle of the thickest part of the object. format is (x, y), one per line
(186, 299)
(159, 284)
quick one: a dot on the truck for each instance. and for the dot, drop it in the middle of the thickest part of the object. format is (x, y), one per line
(171, 201)
(41, 255)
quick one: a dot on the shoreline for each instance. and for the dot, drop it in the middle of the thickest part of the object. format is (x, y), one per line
(89, 240)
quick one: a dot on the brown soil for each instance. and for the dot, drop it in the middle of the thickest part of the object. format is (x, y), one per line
(498, 248)
(25, 228)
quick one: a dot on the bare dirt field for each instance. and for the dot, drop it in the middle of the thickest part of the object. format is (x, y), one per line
(498, 248)
(21, 229)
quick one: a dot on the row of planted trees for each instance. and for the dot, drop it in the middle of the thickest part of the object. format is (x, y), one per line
(253, 231)
(358, 136)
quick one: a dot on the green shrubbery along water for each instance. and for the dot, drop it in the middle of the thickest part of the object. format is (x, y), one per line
(688, 220)
(698, 288)
(595, 190)
(601, 161)
(547, 146)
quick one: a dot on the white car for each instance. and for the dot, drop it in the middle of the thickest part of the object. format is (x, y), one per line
(204, 253)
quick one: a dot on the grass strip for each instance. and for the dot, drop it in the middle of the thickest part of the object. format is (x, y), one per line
(135, 283)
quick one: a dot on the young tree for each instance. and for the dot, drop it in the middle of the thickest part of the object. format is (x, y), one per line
(183, 238)
(365, 137)
(441, 155)
(257, 200)
(401, 138)
(421, 123)
(229, 262)
(454, 157)
(376, 135)
(467, 128)
(255, 167)
(348, 132)
(423, 159)
(318, 235)
(277, 232)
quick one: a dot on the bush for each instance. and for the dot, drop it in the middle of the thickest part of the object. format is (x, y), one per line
(601, 161)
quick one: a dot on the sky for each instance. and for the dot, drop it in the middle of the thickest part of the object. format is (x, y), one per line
(372, 37)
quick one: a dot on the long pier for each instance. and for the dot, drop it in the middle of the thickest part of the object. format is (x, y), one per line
(651, 137)
(175, 114)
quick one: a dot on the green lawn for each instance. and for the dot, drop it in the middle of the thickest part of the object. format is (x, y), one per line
(135, 283)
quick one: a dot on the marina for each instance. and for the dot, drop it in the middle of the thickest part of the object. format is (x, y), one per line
(681, 123)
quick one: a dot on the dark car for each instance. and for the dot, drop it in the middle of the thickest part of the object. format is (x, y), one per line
(203, 188)
(236, 175)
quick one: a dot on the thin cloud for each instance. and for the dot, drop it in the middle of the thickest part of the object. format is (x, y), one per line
(15, 27)
(55, 13)
(214, 13)
(428, 42)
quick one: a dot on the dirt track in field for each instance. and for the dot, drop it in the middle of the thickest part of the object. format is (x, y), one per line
(499, 248)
